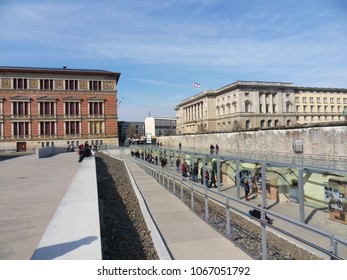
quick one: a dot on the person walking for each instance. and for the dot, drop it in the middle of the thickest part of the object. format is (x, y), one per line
(207, 178)
(195, 172)
(211, 149)
(213, 179)
(247, 188)
(178, 163)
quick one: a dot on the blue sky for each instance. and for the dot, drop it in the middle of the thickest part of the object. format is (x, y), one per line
(162, 47)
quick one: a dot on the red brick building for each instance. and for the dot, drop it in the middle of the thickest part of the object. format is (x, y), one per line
(43, 107)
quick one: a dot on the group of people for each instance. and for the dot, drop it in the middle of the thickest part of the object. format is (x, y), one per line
(70, 147)
(192, 172)
(84, 150)
(212, 149)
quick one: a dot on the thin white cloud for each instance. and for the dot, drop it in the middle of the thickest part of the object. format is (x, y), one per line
(211, 41)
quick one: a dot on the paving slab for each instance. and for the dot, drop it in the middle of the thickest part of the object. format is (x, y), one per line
(31, 189)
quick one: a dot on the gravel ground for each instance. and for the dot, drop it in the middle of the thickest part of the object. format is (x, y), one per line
(125, 235)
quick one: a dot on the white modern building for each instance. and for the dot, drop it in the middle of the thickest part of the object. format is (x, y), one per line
(159, 126)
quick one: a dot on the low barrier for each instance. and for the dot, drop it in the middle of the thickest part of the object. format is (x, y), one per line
(49, 151)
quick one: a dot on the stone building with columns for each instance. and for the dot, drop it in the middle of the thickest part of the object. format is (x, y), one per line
(44, 107)
(245, 105)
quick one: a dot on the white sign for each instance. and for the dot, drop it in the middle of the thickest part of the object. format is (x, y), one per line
(149, 138)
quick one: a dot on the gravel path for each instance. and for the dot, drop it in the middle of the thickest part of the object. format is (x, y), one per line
(125, 235)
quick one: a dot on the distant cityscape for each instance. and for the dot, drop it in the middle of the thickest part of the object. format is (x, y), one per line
(43, 107)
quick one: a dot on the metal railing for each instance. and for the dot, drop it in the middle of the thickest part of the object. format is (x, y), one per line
(329, 245)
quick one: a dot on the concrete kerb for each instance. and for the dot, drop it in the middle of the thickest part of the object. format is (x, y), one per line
(159, 242)
(74, 231)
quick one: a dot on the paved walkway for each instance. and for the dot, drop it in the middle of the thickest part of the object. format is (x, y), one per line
(31, 189)
(187, 236)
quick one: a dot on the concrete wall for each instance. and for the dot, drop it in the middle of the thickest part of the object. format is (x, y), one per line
(48, 151)
(318, 142)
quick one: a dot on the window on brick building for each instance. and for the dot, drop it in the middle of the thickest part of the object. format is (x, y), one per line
(71, 107)
(96, 127)
(47, 128)
(94, 85)
(72, 127)
(46, 108)
(96, 108)
(20, 83)
(20, 108)
(71, 84)
(46, 84)
(21, 129)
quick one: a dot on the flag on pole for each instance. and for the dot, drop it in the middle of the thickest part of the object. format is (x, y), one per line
(196, 85)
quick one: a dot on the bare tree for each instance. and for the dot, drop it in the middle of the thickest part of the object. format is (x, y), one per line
(131, 132)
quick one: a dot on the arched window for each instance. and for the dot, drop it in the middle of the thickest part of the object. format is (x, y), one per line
(269, 123)
(262, 123)
(276, 123)
(234, 106)
(248, 106)
(289, 122)
(248, 124)
(288, 106)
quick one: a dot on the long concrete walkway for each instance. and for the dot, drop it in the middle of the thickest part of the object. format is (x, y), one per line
(187, 236)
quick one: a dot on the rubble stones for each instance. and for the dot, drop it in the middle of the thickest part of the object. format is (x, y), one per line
(124, 232)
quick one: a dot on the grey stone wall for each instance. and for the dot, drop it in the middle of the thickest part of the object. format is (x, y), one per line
(318, 142)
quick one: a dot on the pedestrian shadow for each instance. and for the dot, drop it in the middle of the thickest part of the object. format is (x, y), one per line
(57, 250)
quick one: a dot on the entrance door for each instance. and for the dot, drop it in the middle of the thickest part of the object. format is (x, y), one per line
(21, 146)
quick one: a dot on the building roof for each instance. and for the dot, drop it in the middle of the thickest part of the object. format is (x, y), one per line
(255, 84)
(59, 71)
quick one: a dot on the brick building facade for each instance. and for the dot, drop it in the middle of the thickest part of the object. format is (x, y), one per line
(41, 107)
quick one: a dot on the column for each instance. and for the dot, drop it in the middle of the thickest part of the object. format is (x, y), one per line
(29, 109)
(301, 195)
(237, 177)
(270, 102)
(29, 124)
